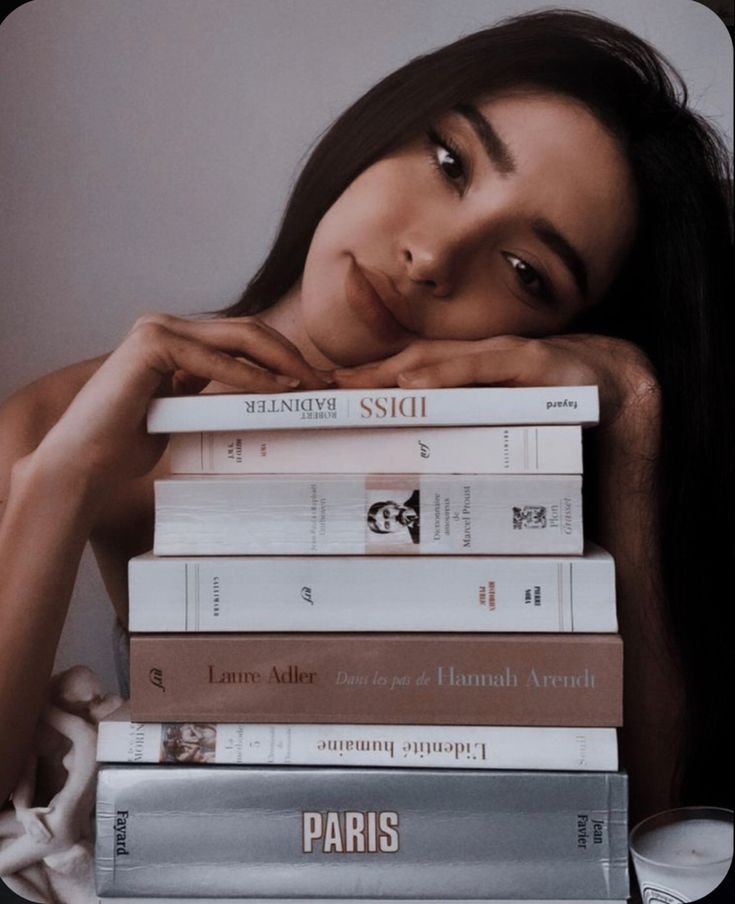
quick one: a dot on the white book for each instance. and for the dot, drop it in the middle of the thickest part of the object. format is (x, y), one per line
(474, 406)
(386, 593)
(374, 514)
(418, 450)
(120, 740)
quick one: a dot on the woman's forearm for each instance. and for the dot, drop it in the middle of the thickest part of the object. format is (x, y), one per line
(627, 444)
(97, 441)
(653, 732)
(46, 521)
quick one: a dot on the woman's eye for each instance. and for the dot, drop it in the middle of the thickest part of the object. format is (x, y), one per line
(446, 158)
(531, 280)
(449, 163)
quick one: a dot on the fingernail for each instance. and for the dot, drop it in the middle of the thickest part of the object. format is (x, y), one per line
(326, 376)
(410, 379)
(290, 382)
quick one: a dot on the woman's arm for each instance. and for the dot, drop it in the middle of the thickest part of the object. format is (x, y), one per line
(53, 486)
(47, 517)
(652, 739)
(627, 444)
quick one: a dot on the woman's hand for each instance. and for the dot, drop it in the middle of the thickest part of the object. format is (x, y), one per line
(621, 371)
(102, 434)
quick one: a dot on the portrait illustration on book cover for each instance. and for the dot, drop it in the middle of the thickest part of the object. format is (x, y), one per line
(389, 517)
(188, 742)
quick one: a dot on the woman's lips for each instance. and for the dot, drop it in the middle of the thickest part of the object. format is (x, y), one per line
(368, 305)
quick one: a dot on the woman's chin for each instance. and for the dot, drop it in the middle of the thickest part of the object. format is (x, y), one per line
(342, 354)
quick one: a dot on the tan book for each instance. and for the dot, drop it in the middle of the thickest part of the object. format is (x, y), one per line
(431, 679)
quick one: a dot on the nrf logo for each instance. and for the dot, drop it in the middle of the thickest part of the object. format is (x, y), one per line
(155, 676)
(350, 832)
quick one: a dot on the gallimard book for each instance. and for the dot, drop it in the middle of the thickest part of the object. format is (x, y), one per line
(380, 833)
(418, 450)
(119, 740)
(374, 514)
(474, 406)
(561, 680)
(385, 593)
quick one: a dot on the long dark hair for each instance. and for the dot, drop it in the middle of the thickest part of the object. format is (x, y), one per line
(669, 298)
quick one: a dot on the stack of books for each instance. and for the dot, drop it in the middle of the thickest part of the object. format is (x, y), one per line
(369, 662)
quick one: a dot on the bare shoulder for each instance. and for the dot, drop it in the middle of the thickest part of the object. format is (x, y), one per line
(28, 414)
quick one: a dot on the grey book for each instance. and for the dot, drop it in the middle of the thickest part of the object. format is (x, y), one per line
(351, 833)
(345, 901)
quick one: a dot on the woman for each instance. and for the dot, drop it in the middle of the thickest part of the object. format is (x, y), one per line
(532, 204)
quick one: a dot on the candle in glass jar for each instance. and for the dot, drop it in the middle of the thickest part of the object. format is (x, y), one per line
(682, 855)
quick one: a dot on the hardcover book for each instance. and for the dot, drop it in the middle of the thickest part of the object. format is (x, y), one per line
(406, 746)
(376, 514)
(564, 680)
(370, 833)
(383, 593)
(474, 406)
(418, 450)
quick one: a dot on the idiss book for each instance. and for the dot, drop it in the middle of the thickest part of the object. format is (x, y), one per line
(474, 406)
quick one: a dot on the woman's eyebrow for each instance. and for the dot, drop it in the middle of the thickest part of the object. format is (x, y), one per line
(565, 251)
(495, 148)
(502, 158)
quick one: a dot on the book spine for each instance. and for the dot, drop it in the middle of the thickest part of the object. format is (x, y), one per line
(418, 450)
(432, 900)
(376, 408)
(355, 593)
(404, 746)
(564, 680)
(382, 833)
(374, 514)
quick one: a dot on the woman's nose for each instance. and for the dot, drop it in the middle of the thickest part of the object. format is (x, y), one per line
(429, 266)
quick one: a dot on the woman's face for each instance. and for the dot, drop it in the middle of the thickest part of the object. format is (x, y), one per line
(510, 216)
